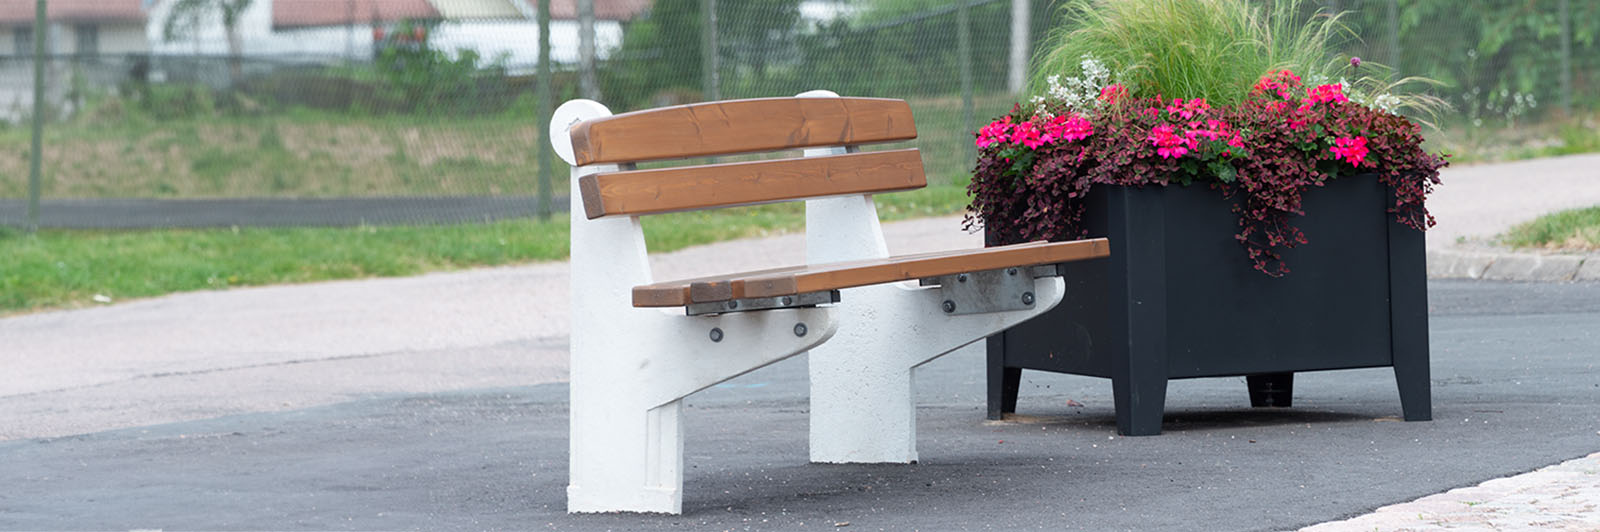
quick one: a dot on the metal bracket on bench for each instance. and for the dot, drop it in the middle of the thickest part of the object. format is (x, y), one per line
(808, 299)
(988, 291)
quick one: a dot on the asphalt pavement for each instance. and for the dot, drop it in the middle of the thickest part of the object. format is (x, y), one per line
(1516, 387)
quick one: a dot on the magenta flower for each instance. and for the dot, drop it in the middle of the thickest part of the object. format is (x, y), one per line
(994, 133)
(1113, 93)
(1168, 143)
(1188, 110)
(1028, 135)
(1068, 128)
(1332, 92)
(1351, 149)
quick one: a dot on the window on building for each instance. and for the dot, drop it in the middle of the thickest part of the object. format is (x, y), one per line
(23, 40)
(88, 40)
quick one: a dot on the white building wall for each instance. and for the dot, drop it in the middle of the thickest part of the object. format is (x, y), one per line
(123, 39)
(517, 40)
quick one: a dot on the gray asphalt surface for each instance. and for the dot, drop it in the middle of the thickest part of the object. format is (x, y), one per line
(1516, 387)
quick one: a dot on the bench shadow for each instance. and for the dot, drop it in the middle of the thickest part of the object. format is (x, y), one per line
(1199, 420)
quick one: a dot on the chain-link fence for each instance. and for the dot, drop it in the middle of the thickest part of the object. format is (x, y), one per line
(416, 110)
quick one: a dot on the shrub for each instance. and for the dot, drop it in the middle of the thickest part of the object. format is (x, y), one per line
(1037, 163)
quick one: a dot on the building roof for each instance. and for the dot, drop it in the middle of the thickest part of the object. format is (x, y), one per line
(302, 13)
(21, 12)
(603, 9)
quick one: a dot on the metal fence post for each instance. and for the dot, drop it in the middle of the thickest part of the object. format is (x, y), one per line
(1394, 39)
(709, 60)
(1566, 59)
(1020, 38)
(542, 87)
(586, 79)
(34, 168)
(964, 50)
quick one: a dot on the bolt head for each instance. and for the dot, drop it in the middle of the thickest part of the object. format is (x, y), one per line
(733, 305)
(1027, 298)
(716, 334)
(800, 329)
(949, 306)
(961, 278)
(1011, 271)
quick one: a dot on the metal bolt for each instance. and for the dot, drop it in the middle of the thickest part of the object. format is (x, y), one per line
(733, 305)
(799, 329)
(788, 300)
(1027, 298)
(716, 334)
(1011, 271)
(961, 278)
(949, 306)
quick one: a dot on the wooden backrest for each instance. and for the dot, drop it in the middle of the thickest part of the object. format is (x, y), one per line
(744, 126)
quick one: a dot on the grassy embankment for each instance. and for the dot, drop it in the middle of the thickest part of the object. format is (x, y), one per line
(1570, 230)
(316, 155)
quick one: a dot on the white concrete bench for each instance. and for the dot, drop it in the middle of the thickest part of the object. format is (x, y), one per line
(639, 346)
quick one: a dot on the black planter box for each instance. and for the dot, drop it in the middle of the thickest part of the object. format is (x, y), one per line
(1179, 298)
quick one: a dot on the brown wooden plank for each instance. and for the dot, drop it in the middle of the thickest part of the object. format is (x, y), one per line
(722, 287)
(638, 192)
(835, 276)
(740, 126)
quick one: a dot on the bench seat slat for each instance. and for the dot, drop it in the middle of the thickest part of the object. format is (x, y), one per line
(639, 192)
(740, 126)
(835, 276)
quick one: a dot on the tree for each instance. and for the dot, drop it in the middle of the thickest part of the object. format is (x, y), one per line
(184, 21)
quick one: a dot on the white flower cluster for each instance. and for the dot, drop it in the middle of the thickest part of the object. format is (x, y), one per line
(1077, 94)
(1385, 102)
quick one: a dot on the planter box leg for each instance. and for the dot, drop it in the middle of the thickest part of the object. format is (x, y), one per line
(1139, 312)
(1271, 389)
(1140, 397)
(1003, 381)
(1408, 320)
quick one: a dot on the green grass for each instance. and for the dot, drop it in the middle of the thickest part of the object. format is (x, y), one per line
(67, 269)
(1576, 229)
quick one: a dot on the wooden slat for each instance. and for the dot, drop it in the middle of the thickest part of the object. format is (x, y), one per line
(817, 278)
(722, 287)
(637, 192)
(740, 126)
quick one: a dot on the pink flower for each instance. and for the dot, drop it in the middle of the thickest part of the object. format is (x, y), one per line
(1068, 128)
(1352, 150)
(1168, 143)
(1179, 108)
(1282, 83)
(1332, 92)
(1028, 135)
(1113, 93)
(995, 132)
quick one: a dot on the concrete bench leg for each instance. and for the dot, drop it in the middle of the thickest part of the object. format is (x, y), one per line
(863, 407)
(862, 403)
(631, 367)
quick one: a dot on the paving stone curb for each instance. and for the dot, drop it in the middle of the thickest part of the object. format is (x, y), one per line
(1564, 497)
(1503, 265)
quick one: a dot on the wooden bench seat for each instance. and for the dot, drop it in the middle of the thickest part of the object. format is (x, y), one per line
(835, 276)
